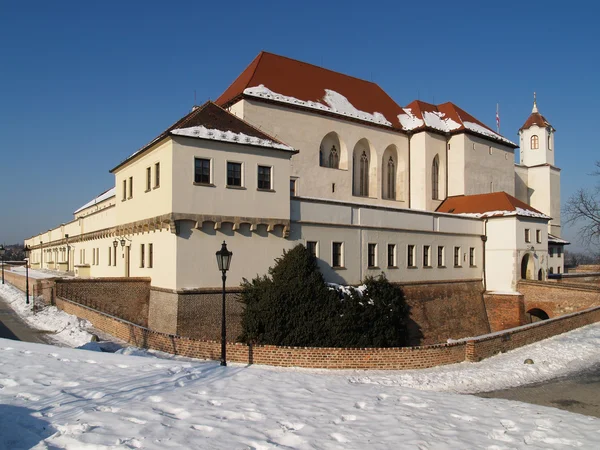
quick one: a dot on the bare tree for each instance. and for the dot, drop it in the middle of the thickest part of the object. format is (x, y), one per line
(583, 209)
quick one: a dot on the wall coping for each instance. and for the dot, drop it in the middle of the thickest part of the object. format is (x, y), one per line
(552, 285)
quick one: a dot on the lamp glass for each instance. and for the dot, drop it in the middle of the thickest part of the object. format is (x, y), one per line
(115, 243)
(224, 258)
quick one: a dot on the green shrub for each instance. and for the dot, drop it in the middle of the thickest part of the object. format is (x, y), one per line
(293, 306)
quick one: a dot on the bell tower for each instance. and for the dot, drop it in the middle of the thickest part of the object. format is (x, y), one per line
(537, 179)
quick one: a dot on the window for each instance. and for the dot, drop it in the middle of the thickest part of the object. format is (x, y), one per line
(97, 256)
(550, 270)
(202, 171)
(156, 175)
(337, 257)
(391, 256)
(558, 270)
(390, 186)
(124, 189)
(549, 140)
(372, 255)
(427, 256)
(441, 256)
(130, 187)
(150, 256)
(148, 179)
(234, 174)
(334, 158)
(435, 178)
(410, 256)
(142, 255)
(551, 252)
(472, 256)
(535, 142)
(538, 236)
(456, 256)
(559, 251)
(293, 187)
(311, 246)
(527, 235)
(490, 150)
(363, 187)
(110, 256)
(114, 256)
(264, 177)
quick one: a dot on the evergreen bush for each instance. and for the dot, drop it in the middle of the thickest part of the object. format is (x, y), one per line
(293, 306)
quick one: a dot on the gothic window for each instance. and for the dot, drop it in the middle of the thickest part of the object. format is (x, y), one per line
(334, 158)
(321, 162)
(535, 142)
(364, 175)
(435, 178)
(390, 191)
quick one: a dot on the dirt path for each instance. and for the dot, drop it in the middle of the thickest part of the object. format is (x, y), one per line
(13, 327)
(579, 393)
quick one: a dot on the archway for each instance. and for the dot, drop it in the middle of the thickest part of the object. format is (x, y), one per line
(332, 152)
(540, 275)
(527, 267)
(536, 315)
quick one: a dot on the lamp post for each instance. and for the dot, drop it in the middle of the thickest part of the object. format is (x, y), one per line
(26, 250)
(223, 261)
(67, 242)
(41, 255)
(2, 251)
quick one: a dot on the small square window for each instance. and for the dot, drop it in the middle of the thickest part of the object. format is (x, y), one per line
(312, 247)
(234, 174)
(202, 173)
(527, 235)
(410, 256)
(427, 256)
(372, 255)
(337, 257)
(538, 236)
(264, 177)
(391, 255)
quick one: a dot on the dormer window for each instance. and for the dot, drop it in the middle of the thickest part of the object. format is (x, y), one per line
(535, 142)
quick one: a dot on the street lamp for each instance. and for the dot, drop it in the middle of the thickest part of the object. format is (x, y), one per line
(2, 251)
(223, 261)
(27, 250)
(67, 242)
(41, 255)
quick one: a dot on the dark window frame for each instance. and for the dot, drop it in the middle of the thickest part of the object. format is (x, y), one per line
(234, 174)
(202, 170)
(264, 178)
(371, 255)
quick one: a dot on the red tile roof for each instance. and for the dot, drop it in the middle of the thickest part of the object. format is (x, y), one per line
(488, 205)
(210, 116)
(535, 119)
(308, 83)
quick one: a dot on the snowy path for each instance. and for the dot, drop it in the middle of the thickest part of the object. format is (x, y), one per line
(108, 401)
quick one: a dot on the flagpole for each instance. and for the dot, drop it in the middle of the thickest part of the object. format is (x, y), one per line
(498, 118)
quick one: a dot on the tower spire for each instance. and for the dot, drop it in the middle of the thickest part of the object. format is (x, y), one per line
(535, 109)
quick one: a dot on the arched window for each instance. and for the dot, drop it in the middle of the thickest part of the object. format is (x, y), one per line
(334, 158)
(364, 175)
(390, 191)
(321, 162)
(535, 142)
(435, 178)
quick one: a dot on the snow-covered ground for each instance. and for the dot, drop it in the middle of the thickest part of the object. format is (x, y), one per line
(35, 273)
(60, 398)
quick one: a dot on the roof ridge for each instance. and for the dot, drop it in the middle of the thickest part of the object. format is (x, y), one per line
(323, 68)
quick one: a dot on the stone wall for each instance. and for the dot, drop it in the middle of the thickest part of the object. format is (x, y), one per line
(127, 298)
(557, 299)
(335, 358)
(446, 309)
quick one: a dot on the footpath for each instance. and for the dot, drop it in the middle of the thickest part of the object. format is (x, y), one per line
(13, 327)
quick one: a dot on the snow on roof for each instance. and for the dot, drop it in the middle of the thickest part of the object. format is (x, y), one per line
(104, 196)
(228, 136)
(494, 204)
(556, 240)
(517, 212)
(476, 128)
(335, 103)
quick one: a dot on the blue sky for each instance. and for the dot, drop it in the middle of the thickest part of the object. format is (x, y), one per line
(83, 85)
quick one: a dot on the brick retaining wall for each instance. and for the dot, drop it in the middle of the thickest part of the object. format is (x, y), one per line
(38, 287)
(558, 299)
(335, 358)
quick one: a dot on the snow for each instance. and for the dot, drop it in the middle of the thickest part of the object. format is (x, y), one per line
(335, 103)
(505, 213)
(66, 329)
(228, 136)
(409, 121)
(348, 290)
(105, 196)
(556, 240)
(38, 274)
(475, 127)
(74, 399)
(439, 121)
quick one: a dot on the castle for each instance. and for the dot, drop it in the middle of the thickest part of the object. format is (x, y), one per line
(292, 153)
